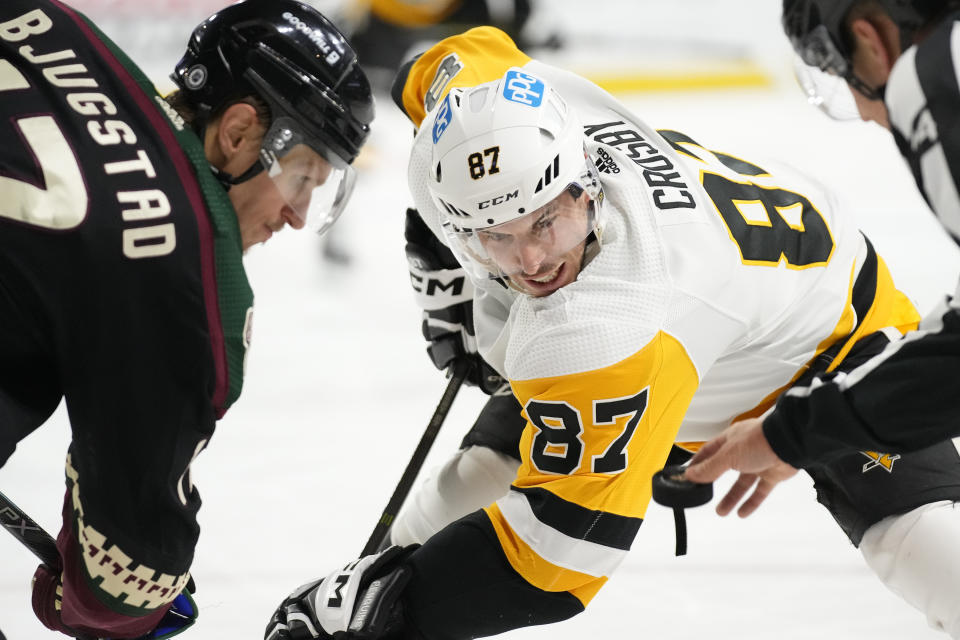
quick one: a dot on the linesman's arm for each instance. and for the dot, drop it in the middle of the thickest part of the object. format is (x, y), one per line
(904, 399)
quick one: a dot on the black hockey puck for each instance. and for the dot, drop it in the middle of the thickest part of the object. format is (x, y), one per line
(671, 489)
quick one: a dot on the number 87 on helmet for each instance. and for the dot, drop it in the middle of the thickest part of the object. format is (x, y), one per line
(520, 199)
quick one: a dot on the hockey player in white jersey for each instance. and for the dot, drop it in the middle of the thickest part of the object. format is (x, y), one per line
(637, 290)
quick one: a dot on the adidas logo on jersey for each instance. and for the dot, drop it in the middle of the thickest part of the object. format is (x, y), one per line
(605, 163)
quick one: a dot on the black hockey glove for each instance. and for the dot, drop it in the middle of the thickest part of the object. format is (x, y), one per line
(359, 602)
(445, 294)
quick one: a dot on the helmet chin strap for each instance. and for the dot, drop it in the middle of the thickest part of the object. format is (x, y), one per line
(228, 180)
(591, 247)
(864, 89)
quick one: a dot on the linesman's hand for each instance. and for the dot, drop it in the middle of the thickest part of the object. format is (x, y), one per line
(741, 447)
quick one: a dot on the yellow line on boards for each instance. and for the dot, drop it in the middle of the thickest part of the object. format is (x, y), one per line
(632, 82)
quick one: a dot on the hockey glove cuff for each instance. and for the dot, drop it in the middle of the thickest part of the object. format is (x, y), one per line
(358, 602)
(47, 600)
(445, 293)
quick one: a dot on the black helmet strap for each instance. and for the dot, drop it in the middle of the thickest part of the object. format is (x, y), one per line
(228, 180)
(864, 89)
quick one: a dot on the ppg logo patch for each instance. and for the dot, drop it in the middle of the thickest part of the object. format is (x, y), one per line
(443, 119)
(523, 88)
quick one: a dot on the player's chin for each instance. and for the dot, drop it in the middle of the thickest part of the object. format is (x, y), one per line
(252, 239)
(264, 234)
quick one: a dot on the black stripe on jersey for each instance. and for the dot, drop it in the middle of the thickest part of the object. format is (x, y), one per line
(938, 80)
(865, 287)
(571, 519)
(744, 168)
(862, 298)
(674, 138)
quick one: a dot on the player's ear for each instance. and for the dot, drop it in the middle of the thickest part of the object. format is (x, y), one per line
(876, 47)
(237, 131)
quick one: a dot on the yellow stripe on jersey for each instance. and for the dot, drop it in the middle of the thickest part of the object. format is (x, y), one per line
(591, 446)
(415, 13)
(888, 308)
(485, 54)
(581, 585)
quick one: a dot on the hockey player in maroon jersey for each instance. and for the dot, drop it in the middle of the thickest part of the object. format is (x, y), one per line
(901, 61)
(123, 220)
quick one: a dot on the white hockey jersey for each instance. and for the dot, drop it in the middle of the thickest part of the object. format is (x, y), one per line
(717, 284)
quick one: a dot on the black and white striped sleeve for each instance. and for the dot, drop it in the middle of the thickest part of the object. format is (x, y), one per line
(908, 396)
(923, 101)
(905, 398)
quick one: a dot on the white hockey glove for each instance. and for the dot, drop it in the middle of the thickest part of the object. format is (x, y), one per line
(445, 294)
(358, 602)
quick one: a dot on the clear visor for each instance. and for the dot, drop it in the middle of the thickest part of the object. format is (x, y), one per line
(532, 244)
(315, 183)
(818, 50)
(827, 91)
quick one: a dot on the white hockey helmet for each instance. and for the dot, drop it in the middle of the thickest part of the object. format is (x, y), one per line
(504, 150)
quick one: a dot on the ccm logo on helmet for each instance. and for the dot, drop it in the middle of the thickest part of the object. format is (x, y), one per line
(498, 200)
(524, 89)
(315, 36)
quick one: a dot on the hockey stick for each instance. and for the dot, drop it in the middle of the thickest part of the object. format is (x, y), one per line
(416, 461)
(28, 532)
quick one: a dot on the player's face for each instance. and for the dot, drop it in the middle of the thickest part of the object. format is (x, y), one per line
(266, 204)
(542, 251)
(233, 145)
(261, 210)
(297, 183)
(301, 171)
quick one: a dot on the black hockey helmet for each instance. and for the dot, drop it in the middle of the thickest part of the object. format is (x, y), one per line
(817, 31)
(321, 105)
(292, 57)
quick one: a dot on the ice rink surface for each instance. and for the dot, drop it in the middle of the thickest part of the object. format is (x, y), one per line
(338, 391)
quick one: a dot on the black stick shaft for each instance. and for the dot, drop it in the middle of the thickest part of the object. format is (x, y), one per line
(32, 535)
(416, 461)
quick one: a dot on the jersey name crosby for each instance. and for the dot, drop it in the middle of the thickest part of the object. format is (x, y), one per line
(64, 202)
(669, 191)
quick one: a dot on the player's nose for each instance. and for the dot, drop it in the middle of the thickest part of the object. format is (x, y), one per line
(531, 255)
(291, 217)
